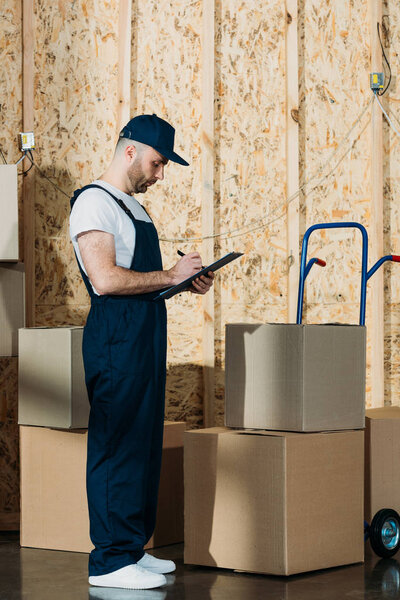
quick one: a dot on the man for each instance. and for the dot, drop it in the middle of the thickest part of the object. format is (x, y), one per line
(124, 352)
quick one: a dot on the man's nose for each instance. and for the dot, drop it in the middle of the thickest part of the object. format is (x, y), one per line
(160, 173)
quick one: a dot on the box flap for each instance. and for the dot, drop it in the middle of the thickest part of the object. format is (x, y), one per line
(216, 430)
(385, 412)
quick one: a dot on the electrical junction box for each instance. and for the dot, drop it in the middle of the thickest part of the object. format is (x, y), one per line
(9, 247)
(376, 81)
(26, 141)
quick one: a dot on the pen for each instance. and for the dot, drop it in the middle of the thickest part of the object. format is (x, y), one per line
(183, 254)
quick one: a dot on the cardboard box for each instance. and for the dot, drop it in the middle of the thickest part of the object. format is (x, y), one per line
(54, 512)
(382, 460)
(12, 307)
(273, 502)
(9, 245)
(52, 390)
(295, 377)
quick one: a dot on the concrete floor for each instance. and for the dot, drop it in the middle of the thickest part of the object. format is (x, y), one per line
(27, 574)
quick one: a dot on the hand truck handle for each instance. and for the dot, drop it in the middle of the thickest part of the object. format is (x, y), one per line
(305, 270)
(391, 257)
(313, 261)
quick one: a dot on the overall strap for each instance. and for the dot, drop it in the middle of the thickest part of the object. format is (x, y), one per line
(100, 187)
(74, 198)
(122, 205)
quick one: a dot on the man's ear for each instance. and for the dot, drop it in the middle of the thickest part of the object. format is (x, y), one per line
(130, 153)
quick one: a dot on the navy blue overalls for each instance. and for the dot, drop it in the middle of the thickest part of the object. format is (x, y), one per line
(124, 354)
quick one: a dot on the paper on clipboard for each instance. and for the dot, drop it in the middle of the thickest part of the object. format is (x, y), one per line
(175, 289)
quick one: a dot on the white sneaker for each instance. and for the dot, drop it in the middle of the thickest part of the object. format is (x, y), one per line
(156, 565)
(132, 577)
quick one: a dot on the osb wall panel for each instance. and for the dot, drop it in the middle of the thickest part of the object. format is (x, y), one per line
(391, 171)
(76, 58)
(250, 167)
(333, 36)
(9, 463)
(166, 80)
(75, 112)
(11, 86)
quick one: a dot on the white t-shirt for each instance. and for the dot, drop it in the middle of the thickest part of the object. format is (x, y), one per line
(95, 209)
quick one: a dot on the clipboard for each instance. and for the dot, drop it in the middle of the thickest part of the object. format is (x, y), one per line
(180, 287)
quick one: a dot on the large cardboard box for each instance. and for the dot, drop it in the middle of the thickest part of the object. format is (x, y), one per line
(382, 460)
(12, 307)
(9, 244)
(51, 378)
(273, 502)
(54, 512)
(295, 377)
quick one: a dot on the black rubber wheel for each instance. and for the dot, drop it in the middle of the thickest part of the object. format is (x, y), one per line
(384, 533)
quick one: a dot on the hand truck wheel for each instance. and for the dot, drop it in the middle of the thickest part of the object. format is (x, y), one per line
(384, 532)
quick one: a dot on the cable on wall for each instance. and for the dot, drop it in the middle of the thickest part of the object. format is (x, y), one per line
(381, 92)
(257, 223)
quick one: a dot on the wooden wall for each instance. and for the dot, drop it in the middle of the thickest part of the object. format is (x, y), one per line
(334, 90)
(391, 212)
(77, 80)
(75, 91)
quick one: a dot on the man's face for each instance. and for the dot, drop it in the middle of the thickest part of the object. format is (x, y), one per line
(147, 168)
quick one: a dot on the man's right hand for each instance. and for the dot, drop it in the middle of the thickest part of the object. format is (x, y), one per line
(188, 265)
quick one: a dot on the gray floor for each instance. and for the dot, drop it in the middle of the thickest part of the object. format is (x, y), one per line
(49, 575)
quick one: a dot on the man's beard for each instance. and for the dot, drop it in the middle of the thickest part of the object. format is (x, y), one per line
(137, 179)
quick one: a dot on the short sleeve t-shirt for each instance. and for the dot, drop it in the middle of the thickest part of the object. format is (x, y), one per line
(95, 209)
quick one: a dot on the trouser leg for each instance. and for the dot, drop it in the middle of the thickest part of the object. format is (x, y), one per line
(122, 453)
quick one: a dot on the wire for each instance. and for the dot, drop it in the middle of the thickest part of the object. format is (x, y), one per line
(312, 189)
(387, 62)
(2, 156)
(257, 223)
(387, 116)
(394, 116)
(21, 159)
(30, 157)
(260, 223)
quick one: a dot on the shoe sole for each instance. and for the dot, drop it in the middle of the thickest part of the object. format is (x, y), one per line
(127, 587)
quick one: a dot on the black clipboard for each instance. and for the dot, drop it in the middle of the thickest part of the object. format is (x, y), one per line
(175, 289)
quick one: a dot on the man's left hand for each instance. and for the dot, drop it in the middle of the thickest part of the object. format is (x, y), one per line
(202, 284)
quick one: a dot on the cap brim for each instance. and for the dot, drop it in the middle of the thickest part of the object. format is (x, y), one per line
(170, 155)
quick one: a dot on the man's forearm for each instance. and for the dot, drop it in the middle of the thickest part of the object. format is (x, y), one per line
(97, 249)
(121, 281)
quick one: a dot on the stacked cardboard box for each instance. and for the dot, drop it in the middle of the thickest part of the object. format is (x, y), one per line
(9, 242)
(285, 495)
(54, 511)
(295, 377)
(382, 460)
(53, 414)
(11, 319)
(52, 391)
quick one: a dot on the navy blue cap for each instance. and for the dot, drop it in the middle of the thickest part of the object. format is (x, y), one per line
(155, 132)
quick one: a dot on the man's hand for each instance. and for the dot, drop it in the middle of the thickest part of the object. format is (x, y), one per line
(188, 265)
(202, 284)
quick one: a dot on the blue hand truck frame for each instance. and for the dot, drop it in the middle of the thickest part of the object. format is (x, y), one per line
(384, 531)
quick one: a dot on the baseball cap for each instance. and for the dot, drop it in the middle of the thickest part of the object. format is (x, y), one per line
(155, 132)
